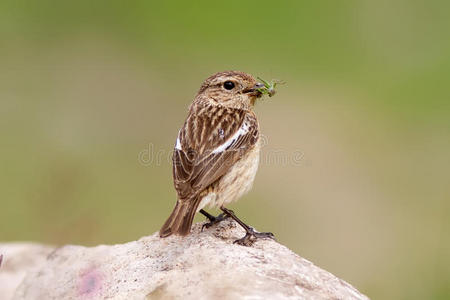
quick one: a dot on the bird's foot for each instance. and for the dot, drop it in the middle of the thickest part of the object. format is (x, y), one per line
(214, 220)
(251, 236)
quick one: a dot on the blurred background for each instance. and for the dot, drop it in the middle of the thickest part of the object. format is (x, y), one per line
(355, 169)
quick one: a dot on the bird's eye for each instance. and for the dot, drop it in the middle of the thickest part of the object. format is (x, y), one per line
(228, 85)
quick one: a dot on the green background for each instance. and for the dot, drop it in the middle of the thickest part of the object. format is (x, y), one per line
(355, 169)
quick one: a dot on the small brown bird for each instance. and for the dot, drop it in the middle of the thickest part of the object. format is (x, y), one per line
(216, 153)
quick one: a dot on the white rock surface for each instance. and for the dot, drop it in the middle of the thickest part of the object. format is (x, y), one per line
(203, 265)
(18, 260)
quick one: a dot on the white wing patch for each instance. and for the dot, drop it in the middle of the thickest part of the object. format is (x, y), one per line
(178, 143)
(242, 131)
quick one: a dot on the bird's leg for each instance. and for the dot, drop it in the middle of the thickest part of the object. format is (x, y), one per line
(212, 220)
(251, 235)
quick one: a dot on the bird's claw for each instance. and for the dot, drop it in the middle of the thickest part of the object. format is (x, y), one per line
(251, 236)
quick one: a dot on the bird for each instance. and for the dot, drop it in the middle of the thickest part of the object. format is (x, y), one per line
(216, 153)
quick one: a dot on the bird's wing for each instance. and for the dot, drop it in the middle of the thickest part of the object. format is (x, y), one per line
(211, 140)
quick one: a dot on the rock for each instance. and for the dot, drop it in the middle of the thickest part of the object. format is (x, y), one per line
(202, 265)
(16, 261)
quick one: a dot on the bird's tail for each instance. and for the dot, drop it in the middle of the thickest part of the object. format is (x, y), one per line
(180, 220)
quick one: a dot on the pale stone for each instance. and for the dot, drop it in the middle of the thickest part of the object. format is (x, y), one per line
(16, 261)
(202, 265)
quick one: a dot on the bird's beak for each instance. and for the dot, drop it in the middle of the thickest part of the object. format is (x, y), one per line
(254, 91)
(258, 85)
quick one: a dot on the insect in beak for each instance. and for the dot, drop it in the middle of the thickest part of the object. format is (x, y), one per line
(255, 90)
(269, 88)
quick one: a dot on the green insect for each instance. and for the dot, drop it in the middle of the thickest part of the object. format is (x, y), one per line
(269, 88)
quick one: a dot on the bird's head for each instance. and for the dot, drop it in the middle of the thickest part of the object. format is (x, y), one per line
(231, 88)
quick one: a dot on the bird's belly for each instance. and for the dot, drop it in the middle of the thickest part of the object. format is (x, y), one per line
(236, 182)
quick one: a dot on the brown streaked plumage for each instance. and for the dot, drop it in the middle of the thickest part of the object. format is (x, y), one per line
(216, 154)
